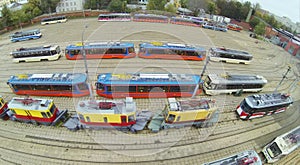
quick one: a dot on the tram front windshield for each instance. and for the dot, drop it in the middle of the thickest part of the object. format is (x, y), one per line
(274, 150)
(245, 107)
(208, 84)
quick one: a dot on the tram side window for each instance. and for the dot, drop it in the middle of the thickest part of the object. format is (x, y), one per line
(97, 51)
(105, 119)
(178, 118)
(100, 86)
(22, 87)
(184, 88)
(174, 88)
(41, 87)
(156, 51)
(88, 119)
(171, 118)
(130, 118)
(52, 109)
(132, 88)
(81, 117)
(191, 53)
(75, 52)
(120, 88)
(141, 89)
(83, 86)
(44, 115)
(116, 51)
(131, 50)
(62, 87)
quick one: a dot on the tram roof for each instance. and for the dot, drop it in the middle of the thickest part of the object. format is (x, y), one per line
(190, 105)
(101, 45)
(289, 141)
(24, 32)
(150, 15)
(30, 104)
(115, 14)
(237, 79)
(268, 100)
(38, 48)
(107, 106)
(176, 46)
(149, 79)
(250, 155)
(48, 79)
(231, 51)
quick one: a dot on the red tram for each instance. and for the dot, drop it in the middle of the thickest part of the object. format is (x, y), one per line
(3, 107)
(264, 104)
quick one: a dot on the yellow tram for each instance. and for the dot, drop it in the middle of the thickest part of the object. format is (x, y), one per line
(99, 113)
(37, 111)
(192, 112)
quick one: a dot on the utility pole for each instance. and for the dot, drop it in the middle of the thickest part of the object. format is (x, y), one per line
(284, 76)
(85, 63)
(201, 76)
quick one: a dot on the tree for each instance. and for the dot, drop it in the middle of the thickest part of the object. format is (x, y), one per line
(254, 21)
(117, 6)
(184, 3)
(212, 8)
(47, 6)
(156, 4)
(260, 29)
(170, 8)
(94, 4)
(7, 19)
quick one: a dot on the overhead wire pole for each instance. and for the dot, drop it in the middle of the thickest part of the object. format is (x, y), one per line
(201, 75)
(284, 76)
(85, 63)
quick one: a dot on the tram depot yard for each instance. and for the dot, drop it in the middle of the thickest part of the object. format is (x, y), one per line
(27, 144)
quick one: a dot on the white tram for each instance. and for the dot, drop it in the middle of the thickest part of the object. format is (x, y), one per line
(32, 54)
(217, 84)
(248, 157)
(264, 104)
(229, 55)
(282, 145)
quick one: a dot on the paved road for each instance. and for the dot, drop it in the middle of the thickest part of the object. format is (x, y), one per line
(28, 144)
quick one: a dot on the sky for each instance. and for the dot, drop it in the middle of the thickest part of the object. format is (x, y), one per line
(287, 8)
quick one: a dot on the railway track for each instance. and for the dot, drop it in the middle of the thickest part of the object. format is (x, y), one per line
(29, 144)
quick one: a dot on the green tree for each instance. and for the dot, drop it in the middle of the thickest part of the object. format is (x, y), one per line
(254, 21)
(184, 3)
(117, 6)
(7, 19)
(47, 6)
(156, 4)
(170, 8)
(212, 8)
(94, 4)
(260, 29)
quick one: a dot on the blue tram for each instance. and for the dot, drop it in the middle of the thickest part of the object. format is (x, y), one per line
(58, 84)
(26, 35)
(171, 51)
(101, 50)
(146, 85)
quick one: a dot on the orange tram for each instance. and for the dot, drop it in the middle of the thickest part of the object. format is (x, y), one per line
(36, 111)
(171, 51)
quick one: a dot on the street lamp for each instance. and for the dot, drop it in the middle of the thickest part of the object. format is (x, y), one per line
(85, 63)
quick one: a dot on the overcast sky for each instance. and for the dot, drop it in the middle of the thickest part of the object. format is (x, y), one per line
(287, 8)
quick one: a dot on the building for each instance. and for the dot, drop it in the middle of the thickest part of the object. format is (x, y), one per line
(70, 5)
(293, 46)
